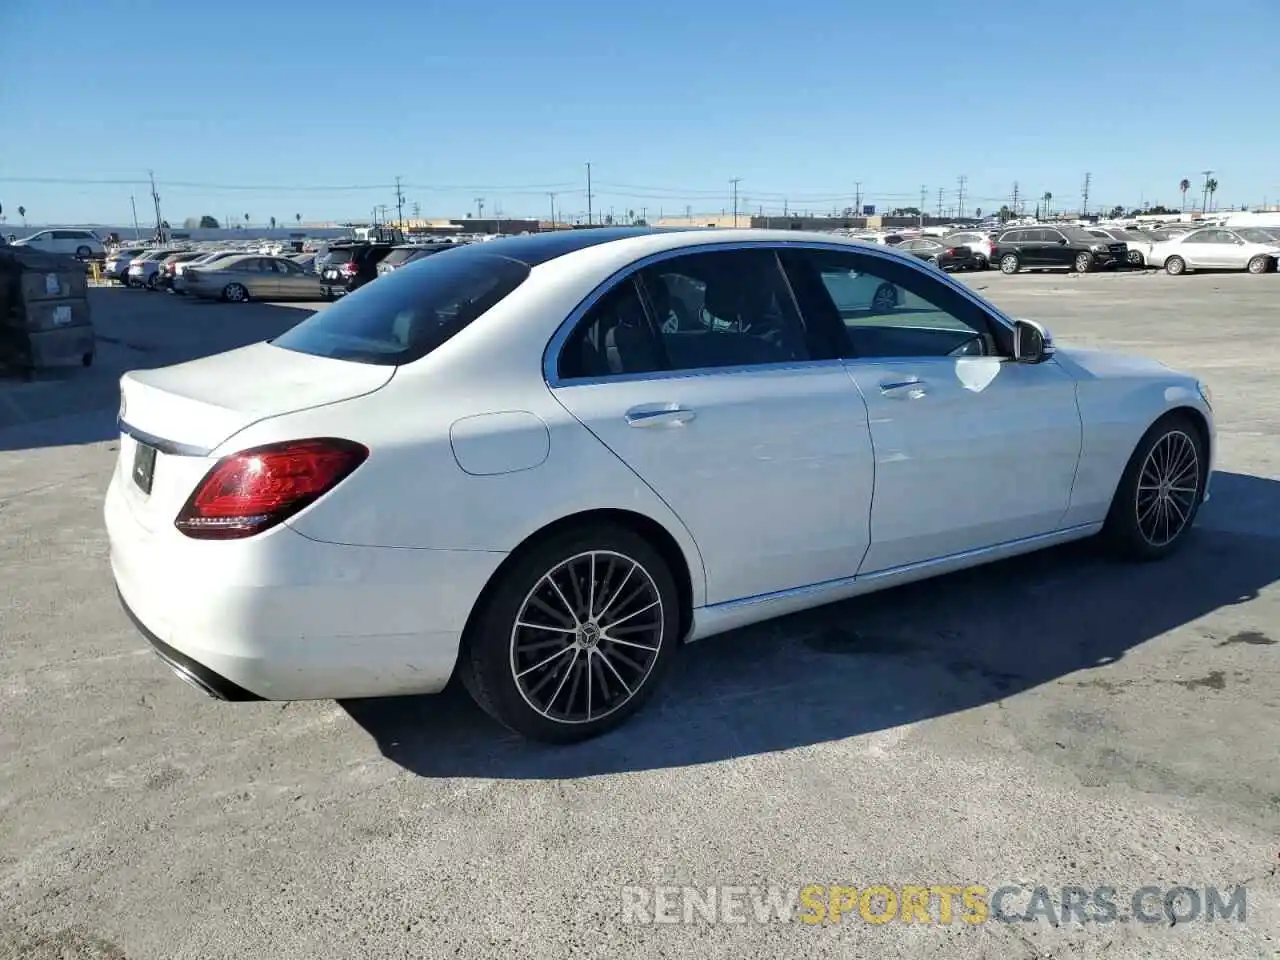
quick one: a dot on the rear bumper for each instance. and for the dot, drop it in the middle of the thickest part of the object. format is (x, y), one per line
(283, 617)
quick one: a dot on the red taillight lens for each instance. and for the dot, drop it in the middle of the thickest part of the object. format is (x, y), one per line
(949, 252)
(254, 490)
(349, 268)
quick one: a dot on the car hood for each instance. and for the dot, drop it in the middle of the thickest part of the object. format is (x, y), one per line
(1103, 364)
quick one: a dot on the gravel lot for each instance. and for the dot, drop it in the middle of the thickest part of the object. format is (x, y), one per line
(1055, 720)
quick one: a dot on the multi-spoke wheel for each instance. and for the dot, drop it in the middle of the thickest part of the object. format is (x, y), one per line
(574, 635)
(1160, 492)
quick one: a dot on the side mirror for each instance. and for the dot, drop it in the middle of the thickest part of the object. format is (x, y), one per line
(1031, 342)
(1062, 241)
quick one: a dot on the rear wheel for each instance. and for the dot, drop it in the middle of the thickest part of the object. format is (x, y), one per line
(1084, 262)
(886, 297)
(1135, 258)
(1160, 491)
(1259, 264)
(1009, 263)
(1175, 266)
(151, 282)
(574, 636)
(235, 293)
(83, 253)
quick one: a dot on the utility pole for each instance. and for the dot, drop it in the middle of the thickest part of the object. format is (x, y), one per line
(924, 196)
(857, 198)
(1205, 201)
(588, 194)
(553, 209)
(960, 197)
(137, 234)
(939, 203)
(1015, 199)
(399, 205)
(734, 184)
(417, 210)
(479, 208)
(688, 213)
(1084, 210)
(155, 199)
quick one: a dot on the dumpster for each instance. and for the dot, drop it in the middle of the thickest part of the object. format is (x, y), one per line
(44, 310)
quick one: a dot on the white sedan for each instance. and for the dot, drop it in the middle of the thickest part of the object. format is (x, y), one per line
(547, 461)
(1214, 248)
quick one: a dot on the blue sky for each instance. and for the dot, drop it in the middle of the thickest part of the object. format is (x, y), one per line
(668, 101)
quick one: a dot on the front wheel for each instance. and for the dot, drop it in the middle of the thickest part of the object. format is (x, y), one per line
(1259, 264)
(1175, 266)
(1084, 262)
(83, 253)
(1135, 258)
(1009, 263)
(886, 298)
(574, 636)
(235, 293)
(1160, 491)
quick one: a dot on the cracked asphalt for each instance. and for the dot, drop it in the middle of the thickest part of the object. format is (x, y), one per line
(1057, 720)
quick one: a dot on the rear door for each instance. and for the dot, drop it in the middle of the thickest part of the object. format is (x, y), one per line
(700, 375)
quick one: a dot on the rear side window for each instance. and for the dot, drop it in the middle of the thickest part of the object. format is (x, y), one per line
(399, 256)
(409, 312)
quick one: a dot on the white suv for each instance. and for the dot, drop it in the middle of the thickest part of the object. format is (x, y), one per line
(82, 244)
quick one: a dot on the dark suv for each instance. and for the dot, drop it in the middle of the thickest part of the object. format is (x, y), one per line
(1071, 248)
(349, 266)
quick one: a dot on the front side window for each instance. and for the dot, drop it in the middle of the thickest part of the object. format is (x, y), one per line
(891, 309)
(409, 312)
(725, 309)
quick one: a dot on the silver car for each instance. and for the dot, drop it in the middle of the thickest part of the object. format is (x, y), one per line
(1215, 248)
(252, 276)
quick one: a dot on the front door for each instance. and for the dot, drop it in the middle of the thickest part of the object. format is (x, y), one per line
(699, 375)
(971, 449)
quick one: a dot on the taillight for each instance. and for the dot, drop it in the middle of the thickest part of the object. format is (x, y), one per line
(349, 268)
(251, 491)
(950, 252)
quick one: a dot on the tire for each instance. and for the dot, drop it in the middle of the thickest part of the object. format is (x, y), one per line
(83, 253)
(1009, 263)
(1259, 264)
(1083, 262)
(235, 293)
(87, 359)
(1175, 266)
(538, 586)
(1136, 259)
(1160, 491)
(885, 298)
(933, 261)
(151, 283)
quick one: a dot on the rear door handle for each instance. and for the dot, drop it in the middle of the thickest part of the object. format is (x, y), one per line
(652, 416)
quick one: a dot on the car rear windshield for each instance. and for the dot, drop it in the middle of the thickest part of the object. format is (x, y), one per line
(399, 256)
(340, 255)
(409, 312)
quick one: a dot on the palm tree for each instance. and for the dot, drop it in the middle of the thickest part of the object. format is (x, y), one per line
(1048, 199)
(1212, 188)
(273, 223)
(22, 212)
(298, 217)
(246, 220)
(1184, 186)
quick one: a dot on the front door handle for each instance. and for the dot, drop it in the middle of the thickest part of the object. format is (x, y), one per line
(909, 389)
(649, 416)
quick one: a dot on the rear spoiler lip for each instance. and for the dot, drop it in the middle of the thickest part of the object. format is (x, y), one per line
(170, 447)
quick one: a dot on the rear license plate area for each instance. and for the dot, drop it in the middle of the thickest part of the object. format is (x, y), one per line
(144, 467)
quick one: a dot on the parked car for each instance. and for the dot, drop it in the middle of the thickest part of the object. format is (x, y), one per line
(497, 463)
(144, 269)
(1044, 247)
(941, 254)
(167, 274)
(1137, 244)
(117, 263)
(251, 276)
(1214, 248)
(409, 253)
(349, 267)
(205, 259)
(307, 261)
(976, 240)
(81, 244)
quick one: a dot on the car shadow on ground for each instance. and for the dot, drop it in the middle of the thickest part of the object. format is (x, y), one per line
(134, 329)
(919, 651)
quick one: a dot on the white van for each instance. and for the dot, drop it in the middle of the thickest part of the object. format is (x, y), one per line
(75, 243)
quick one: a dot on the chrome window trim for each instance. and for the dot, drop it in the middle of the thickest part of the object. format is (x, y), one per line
(170, 447)
(551, 353)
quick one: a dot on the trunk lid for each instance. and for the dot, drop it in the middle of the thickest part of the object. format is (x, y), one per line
(177, 416)
(200, 404)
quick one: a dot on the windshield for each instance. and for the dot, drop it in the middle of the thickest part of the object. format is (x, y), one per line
(399, 256)
(409, 312)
